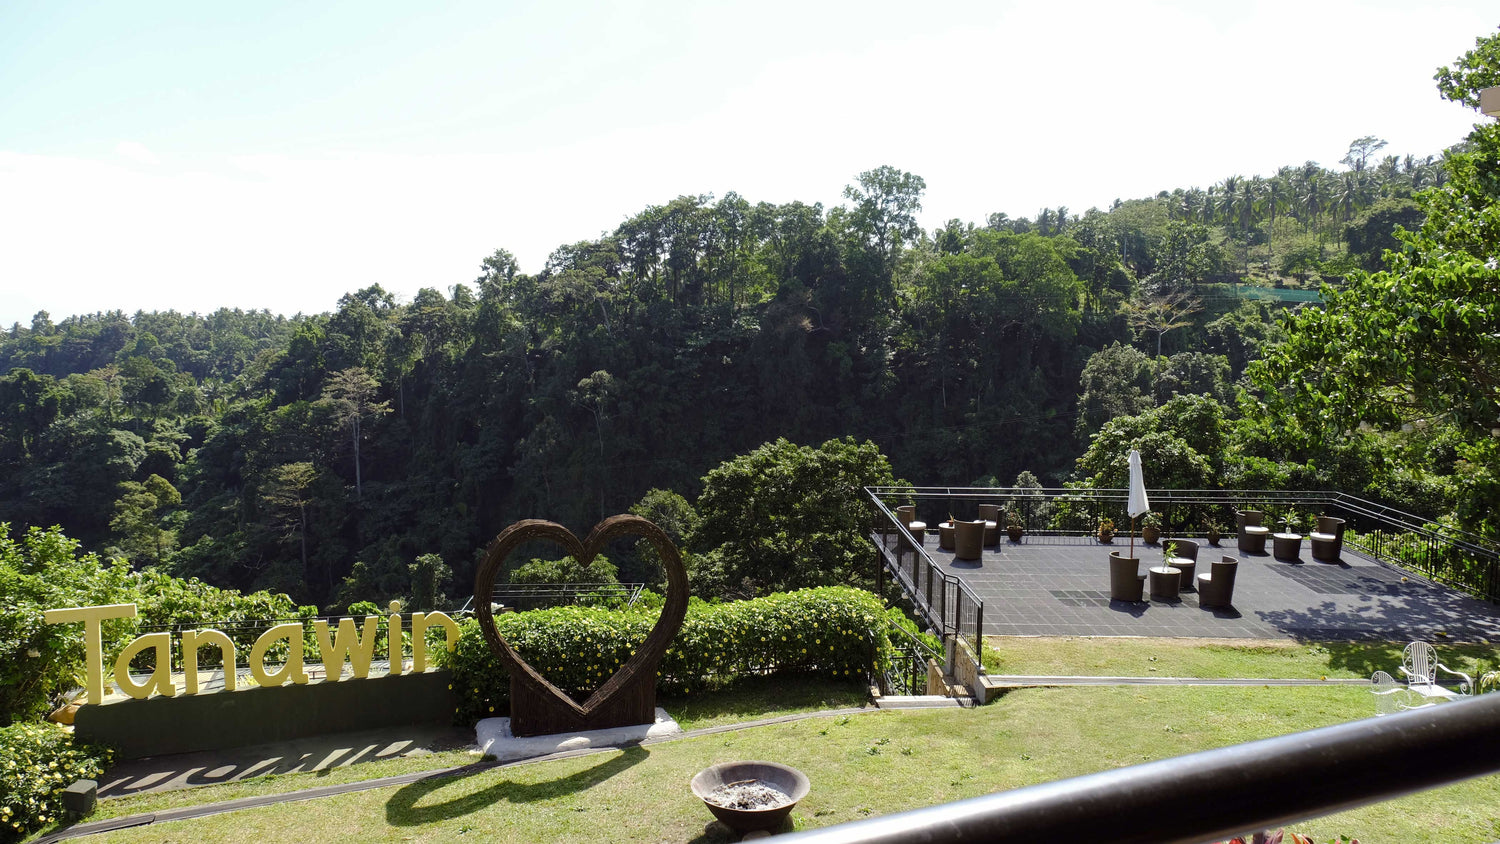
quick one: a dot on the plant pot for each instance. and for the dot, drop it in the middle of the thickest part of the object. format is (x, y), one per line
(1014, 533)
(1106, 536)
(1150, 534)
(1213, 537)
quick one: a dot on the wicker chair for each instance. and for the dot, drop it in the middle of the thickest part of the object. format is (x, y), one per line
(1251, 535)
(1216, 586)
(1328, 539)
(1126, 583)
(906, 514)
(968, 540)
(990, 515)
(1185, 558)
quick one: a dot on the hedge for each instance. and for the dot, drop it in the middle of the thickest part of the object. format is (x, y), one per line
(37, 762)
(832, 631)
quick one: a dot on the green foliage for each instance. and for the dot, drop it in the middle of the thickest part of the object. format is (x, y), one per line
(1475, 70)
(566, 570)
(1116, 381)
(1181, 444)
(1413, 345)
(43, 570)
(787, 516)
(835, 632)
(37, 763)
(165, 602)
(1374, 231)
(673, 514)
(429, 576)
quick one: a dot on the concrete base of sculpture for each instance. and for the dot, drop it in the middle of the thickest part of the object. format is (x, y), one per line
(494, 738)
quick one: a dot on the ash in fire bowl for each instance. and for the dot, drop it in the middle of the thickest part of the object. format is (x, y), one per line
(748, 794)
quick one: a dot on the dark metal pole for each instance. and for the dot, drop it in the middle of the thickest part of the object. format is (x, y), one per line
(1216, 794)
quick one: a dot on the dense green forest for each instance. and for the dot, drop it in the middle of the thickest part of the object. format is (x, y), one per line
(258, 451)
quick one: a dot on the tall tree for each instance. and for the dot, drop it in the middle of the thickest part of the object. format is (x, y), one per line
(1360, 151)
(1163, 313)
(886, 202)
(289, 494)
(351, 394)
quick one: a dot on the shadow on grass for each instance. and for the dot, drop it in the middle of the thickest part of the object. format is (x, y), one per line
(402, 808)
(715, 832)
(1364, 658)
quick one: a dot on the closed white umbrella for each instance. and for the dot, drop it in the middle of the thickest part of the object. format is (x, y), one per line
(1138, 504)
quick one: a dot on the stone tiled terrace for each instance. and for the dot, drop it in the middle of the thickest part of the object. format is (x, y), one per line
(1059, 585)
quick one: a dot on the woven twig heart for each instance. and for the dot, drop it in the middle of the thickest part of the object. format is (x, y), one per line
(629, 696)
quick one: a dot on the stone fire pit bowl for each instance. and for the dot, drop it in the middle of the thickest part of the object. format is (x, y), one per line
(787, 779)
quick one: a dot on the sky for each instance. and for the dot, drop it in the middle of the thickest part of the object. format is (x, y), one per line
(191, 156)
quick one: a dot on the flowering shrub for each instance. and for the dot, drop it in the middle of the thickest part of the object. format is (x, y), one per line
(832, 631)
(37, 762)
(166, 602)
(43, 570)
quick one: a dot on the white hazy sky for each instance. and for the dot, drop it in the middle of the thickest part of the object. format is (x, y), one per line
(191, 155)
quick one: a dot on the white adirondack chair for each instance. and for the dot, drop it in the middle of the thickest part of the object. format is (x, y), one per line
(1420, 666)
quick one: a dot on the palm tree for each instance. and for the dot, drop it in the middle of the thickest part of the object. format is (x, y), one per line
(1044, 221)
(1229, 201)
(1346, 194)
(1273, 198)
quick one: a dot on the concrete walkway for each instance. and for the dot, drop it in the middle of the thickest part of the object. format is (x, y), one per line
(1019, 681)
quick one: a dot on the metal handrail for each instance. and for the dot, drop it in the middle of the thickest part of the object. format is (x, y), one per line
(1215, 794)
(936, 614)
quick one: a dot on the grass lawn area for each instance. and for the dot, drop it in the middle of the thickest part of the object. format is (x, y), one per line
(751, 699)
(1215, 658)
(860, 765)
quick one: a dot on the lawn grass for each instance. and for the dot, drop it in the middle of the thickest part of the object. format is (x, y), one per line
(860, 765)
(749, 699)
(1213, 658)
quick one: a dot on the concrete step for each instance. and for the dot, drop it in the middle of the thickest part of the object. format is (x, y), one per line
(916, 702)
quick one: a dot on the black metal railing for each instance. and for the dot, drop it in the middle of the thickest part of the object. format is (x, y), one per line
(1213, 795)
(906, 672)
(1436, 551)
(942, 601)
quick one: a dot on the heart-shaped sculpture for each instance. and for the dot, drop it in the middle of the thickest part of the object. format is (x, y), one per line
(629, 696)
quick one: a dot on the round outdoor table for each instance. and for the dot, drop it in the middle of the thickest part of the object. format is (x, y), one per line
(1286, 546)
(945, 536)
(1166, 582)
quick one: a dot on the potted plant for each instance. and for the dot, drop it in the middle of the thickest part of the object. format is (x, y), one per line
(1213, 530)
(1151, 528)
(1106, 530)
(1014, 527)
(1166, 579)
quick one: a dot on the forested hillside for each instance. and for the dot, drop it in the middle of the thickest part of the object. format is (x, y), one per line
(258, 451)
